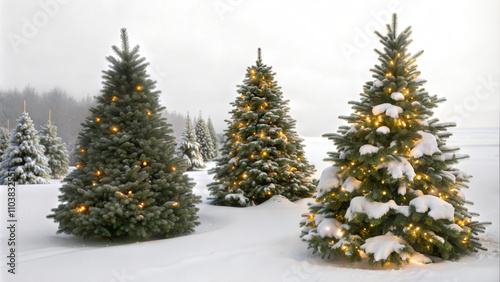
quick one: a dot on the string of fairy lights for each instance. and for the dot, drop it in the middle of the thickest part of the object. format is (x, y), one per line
(260, 77)
(421, 180)
(99, 174)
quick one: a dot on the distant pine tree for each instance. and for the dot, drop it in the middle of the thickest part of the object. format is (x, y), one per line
(55, 150)
(24, 160)
(189, 148)
(204, 139)
(4, 139)
(215, 139)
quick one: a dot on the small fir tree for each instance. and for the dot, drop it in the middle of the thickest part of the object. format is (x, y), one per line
(215, 139)
(4, 139)
(189, 148)
(204, 139)
(262, 155)
(55, 150)
(24, 161)
(392, 193)
(128, 181)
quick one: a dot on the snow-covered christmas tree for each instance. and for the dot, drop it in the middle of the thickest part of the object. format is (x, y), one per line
(190, 149)
(204, 138)
(4, 139)
(392, 193)
(215, 139)
(262, 155)
(55, 150)
(24, 160)
(128, 181)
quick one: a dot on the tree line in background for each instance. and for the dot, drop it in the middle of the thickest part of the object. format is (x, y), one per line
(67, 113)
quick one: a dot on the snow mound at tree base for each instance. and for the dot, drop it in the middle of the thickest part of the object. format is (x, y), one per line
(277, 201)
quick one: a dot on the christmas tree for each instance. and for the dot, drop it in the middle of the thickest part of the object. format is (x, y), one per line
(24, 160)
(55, 150)
(4, 139)
(128, 181)
(204, 139)
(189, 148)
(392, 193)
(262, 155)
(215, 139)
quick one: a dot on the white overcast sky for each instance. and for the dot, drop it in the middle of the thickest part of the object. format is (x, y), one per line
(199, 49)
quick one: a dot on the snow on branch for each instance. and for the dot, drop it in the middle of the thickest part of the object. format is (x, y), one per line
(437, 208)
(374, 210)
(427, 145)
(389, 110)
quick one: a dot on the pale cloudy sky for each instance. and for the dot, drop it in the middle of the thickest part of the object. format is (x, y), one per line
(199, 49)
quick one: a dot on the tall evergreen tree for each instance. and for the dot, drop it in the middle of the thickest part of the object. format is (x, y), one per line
(262, 155)
(215, 139)
(204, 139)
(4, 139)
(128, 181)
(189, 148)
(392, 193)
(24, 160)
(55, 150)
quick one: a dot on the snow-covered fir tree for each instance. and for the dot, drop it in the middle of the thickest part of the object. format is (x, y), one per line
(4, 139)
(215, 139)
(262, 155)
(129, 181)
(392, 193)
(24, 160)
(189, 149)
(55, 150)
(204, 139)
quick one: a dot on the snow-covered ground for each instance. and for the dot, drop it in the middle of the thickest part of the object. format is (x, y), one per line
(240, 244)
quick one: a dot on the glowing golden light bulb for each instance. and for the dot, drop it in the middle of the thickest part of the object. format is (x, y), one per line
(78, 165)
(98, 173)
(383, 193)
(144, 163)
(148, 113)
(253, 76)
(175, 204)
(399, 55)
(141, 205)
(392, 62)
(114, 98)
(80, 209)
(139, 88)
(388, 74)
(114, 128)
(98, 119)
(173, 168)
(129, 192)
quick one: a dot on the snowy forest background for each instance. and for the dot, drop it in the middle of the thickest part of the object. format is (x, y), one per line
(67, 112)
